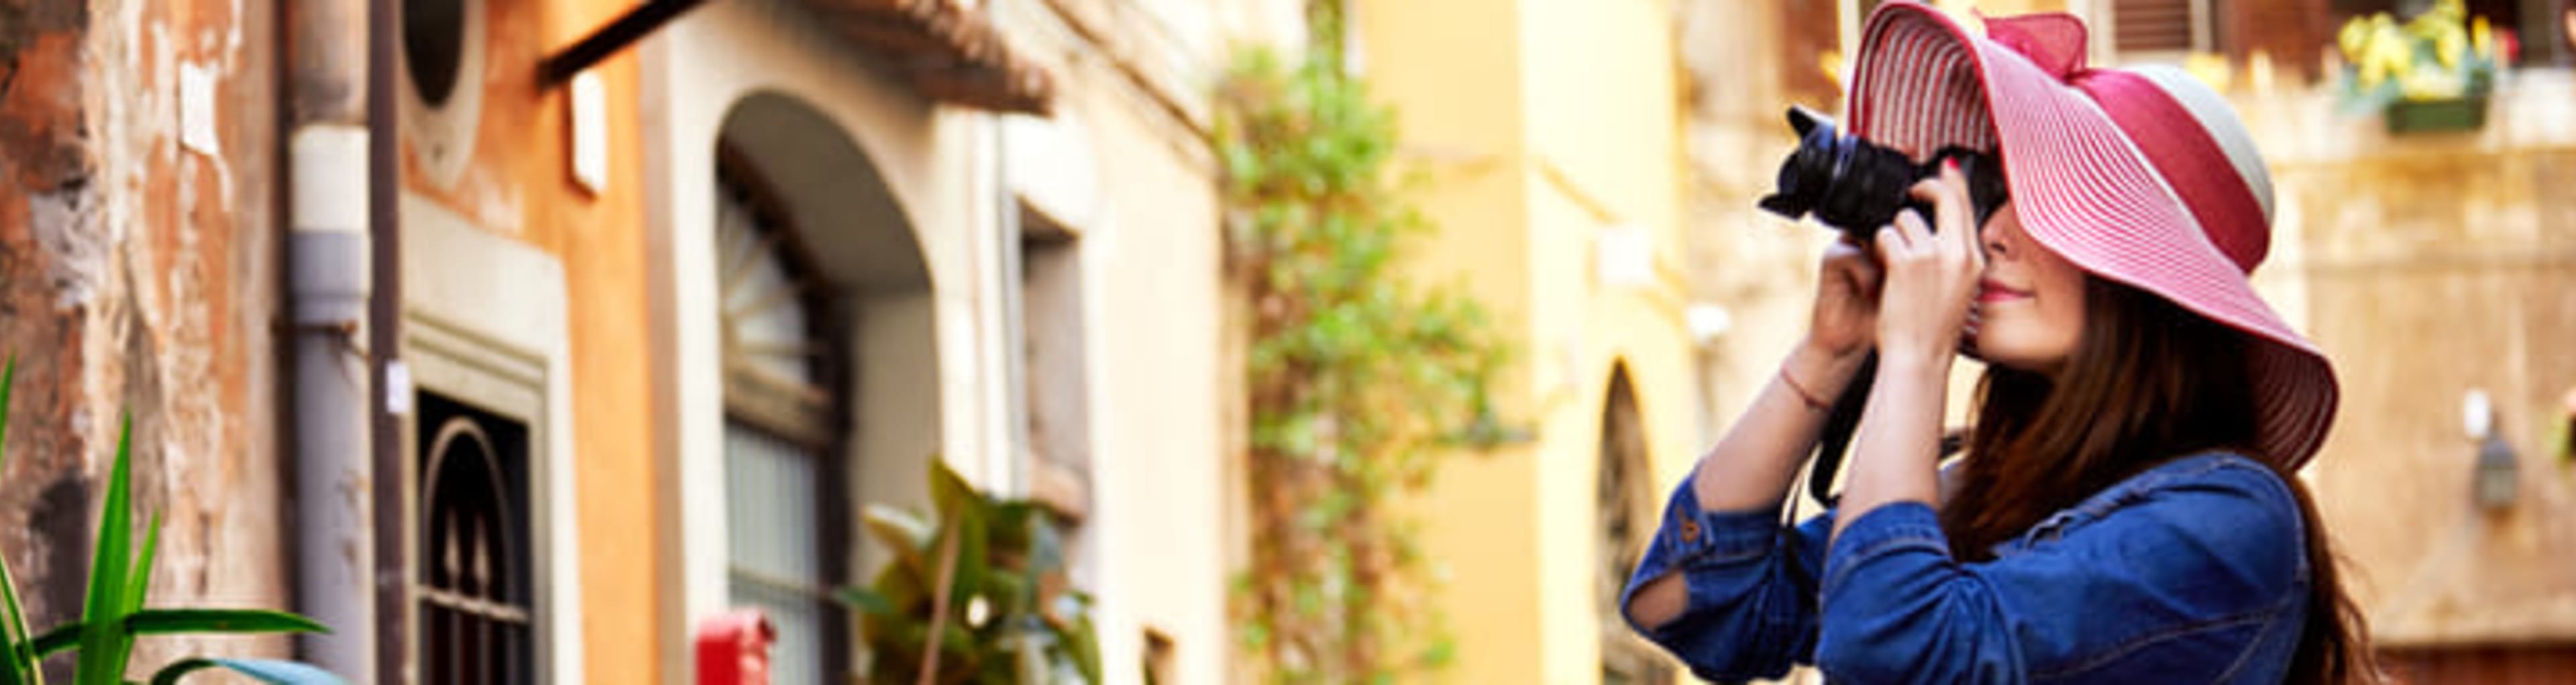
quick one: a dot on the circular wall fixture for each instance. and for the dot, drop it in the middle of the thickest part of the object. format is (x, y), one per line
(442, 59)
(433, 40)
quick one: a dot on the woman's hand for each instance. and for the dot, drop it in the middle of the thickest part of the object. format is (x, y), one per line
(1932, 275)
(1845, 322)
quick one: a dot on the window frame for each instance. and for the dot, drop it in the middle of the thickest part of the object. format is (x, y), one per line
(816, 416)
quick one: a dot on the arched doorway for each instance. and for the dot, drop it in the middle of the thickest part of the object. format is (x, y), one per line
(1623, 503)
(830, 363)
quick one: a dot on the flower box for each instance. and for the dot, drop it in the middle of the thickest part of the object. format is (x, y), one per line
(2435, 116)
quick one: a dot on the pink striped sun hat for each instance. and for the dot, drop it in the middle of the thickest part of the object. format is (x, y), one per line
(2143, 176)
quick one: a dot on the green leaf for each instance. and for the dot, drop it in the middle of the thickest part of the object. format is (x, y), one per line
(62, 637)
(268, 671)
(904, 532)
(949, 492)
(22, 666)
(22, 659)
(174, 621)
(104, 646)
(865, 600)
(140, 580)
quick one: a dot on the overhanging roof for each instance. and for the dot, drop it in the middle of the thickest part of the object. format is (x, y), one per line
(948, 51)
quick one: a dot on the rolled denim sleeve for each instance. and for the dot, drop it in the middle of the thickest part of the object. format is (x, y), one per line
(1751, 583)
(2174, 580)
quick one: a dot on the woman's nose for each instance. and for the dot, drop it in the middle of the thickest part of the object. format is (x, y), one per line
(1991, 237)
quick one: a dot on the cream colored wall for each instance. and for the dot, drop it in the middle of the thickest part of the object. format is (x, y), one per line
(1160, 387)
(1535, 148)
(1605, 117)
(1133, 183)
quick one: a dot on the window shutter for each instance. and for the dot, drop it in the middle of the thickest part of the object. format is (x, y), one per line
(2153, 26)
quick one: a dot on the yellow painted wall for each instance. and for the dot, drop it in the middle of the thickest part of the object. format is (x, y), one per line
(1454, 76)
(519, 184)
(1542, 124)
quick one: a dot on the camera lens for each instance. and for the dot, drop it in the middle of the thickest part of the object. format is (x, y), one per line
(1850, 184)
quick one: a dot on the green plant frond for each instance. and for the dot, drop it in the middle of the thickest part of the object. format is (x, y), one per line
(140, 581)
(22, 659)
(234, 621)
(104, 645)
(184, 621)
(1002, 548)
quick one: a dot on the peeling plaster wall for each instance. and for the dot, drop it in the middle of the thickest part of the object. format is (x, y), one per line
(138, 252)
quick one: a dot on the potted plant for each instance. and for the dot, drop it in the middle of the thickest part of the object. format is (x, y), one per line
(2434, 72)
(987, 577)
(114, 615)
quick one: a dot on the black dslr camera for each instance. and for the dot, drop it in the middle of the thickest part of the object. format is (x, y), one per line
(1853, 185)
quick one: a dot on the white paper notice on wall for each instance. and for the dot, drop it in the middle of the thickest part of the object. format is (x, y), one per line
(589, 132)
(397, 388)
(197, 108)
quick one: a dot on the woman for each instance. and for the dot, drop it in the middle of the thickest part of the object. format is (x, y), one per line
(2124, 511)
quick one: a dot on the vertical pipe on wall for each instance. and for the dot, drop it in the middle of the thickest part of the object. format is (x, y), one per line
(384, 344)
(329, 281)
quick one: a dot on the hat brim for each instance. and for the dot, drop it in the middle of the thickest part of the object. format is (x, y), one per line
(2083, 189)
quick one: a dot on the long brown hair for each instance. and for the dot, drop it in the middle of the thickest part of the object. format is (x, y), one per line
(2147, 383)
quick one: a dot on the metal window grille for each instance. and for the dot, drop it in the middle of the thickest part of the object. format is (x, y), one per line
(476, 622)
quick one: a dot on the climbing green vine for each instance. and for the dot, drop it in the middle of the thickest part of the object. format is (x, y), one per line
(1360, 380)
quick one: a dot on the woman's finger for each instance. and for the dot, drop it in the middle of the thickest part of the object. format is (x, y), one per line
(1917, 234)
(1865, 274)
(1947, 191)
(1890, 242)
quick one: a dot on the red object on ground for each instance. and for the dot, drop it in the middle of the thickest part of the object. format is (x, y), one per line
(733, 648)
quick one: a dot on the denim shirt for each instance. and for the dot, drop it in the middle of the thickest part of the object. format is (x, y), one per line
(2194, 571)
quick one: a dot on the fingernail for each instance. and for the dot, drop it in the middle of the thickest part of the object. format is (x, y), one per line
(1951, 163)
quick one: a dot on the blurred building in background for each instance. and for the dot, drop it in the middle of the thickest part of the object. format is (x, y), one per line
(2428, 263)
(679, 287)
(1546, 136)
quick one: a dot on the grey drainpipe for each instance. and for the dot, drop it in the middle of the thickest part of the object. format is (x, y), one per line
(328, 286)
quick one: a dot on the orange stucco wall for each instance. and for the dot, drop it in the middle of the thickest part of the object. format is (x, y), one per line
(519, 184)
(604, 242)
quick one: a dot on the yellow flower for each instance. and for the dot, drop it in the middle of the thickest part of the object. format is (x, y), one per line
(2353, 37)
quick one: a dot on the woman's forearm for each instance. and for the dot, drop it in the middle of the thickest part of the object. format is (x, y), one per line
(1896, 449)
(1753, 465)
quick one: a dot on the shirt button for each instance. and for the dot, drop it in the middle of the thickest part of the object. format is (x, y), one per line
(1690, 530)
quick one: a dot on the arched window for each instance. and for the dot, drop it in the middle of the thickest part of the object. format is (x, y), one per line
(475, 606)
(1623, 502)
(785, 507)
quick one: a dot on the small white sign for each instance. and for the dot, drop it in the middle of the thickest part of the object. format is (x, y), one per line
(197, 109)
(589, 132)
(397, 388)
